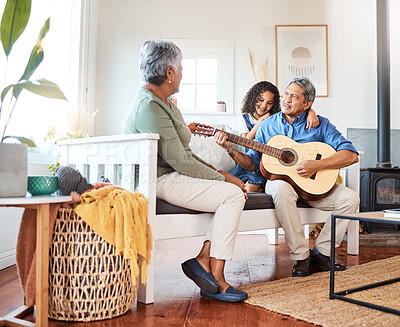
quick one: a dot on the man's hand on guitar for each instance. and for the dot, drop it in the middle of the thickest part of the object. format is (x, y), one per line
(307, 168)
(229, 178)
(222, 140)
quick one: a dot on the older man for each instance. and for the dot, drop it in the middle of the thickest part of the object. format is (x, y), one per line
(291, 122)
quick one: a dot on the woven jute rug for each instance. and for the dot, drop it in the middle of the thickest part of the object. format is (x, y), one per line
(307, 298)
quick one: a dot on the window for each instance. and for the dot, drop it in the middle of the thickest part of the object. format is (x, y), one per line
(33, 114)
(199, 88)
(207, 75)
(63, 63)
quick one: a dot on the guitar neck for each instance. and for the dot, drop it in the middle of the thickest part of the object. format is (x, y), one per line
(263, 148)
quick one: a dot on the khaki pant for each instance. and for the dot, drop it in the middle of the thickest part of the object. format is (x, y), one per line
(226, 200)
(340, 200)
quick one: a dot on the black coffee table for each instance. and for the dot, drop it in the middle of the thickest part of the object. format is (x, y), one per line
(373, 217)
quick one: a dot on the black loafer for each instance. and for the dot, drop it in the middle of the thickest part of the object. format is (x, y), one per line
(301, 268)
(193, 270)
(231, 295)
(323, 262)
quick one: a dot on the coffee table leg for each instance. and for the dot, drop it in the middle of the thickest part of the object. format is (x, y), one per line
(42, 264)
(332, 265)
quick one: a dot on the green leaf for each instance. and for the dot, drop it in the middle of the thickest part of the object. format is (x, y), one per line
(5, 91)
(37, 54)
(15, 18)
(23, 140)
(44, 30)
(34, 61)
(53, 168)
(41, 87)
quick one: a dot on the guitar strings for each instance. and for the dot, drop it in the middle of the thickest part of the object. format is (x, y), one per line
(285, 155)
(264, 148)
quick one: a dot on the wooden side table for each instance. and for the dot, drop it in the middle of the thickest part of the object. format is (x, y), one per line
(42, 205)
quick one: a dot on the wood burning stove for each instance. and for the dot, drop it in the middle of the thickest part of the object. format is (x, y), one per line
(379, 189)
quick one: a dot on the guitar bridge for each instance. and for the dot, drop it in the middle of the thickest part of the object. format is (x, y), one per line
(317, 157)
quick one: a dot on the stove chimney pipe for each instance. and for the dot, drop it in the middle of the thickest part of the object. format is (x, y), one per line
(383, 75)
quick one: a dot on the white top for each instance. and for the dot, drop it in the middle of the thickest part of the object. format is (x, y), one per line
(35, 199)
(242, 124)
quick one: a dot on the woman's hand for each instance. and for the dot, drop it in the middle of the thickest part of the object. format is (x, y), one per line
(252, 134)
(312, 119)
(266, 115)
(229, 178)
(222, 140)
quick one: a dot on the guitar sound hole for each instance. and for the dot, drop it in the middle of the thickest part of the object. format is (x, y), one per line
(288, 158)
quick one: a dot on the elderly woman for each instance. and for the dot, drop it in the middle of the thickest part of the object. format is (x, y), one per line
(184, 179)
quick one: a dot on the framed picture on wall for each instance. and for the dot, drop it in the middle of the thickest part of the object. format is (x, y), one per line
(302, 51)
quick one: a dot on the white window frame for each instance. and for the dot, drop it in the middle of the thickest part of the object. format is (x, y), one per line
(222, 50)
(83, 59)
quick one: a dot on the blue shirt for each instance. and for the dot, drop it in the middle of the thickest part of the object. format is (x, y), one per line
(326, 132)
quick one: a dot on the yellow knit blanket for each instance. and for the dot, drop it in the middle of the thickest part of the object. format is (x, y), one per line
(120, 218)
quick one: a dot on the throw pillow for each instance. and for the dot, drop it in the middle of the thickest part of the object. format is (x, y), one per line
(211, 152)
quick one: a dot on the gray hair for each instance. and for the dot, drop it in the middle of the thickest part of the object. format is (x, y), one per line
(309, 88)
(154, 59)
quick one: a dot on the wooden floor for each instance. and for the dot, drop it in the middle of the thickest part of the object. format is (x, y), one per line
(177, 299)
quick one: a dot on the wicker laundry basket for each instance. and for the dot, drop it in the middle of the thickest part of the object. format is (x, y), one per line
(87, 281)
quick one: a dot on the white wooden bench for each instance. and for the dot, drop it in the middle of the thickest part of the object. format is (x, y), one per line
(130, 161)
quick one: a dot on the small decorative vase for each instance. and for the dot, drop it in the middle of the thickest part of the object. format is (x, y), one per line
(13, 170)
(221, 107)
(42, 185)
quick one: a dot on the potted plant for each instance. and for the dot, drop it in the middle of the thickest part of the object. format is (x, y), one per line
(13, 163)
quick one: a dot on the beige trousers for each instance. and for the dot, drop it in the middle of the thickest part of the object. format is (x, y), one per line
(340, 200)
(224, 199)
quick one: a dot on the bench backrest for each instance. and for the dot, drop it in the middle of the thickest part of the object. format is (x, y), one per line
(129, 161)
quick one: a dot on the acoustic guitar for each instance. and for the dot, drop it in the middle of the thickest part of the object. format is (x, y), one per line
(281, 155)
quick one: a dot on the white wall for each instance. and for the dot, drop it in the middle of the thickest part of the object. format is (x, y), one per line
(124, 25)
(10, 219)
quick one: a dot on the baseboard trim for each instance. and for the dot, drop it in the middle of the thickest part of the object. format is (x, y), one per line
(7, 259)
